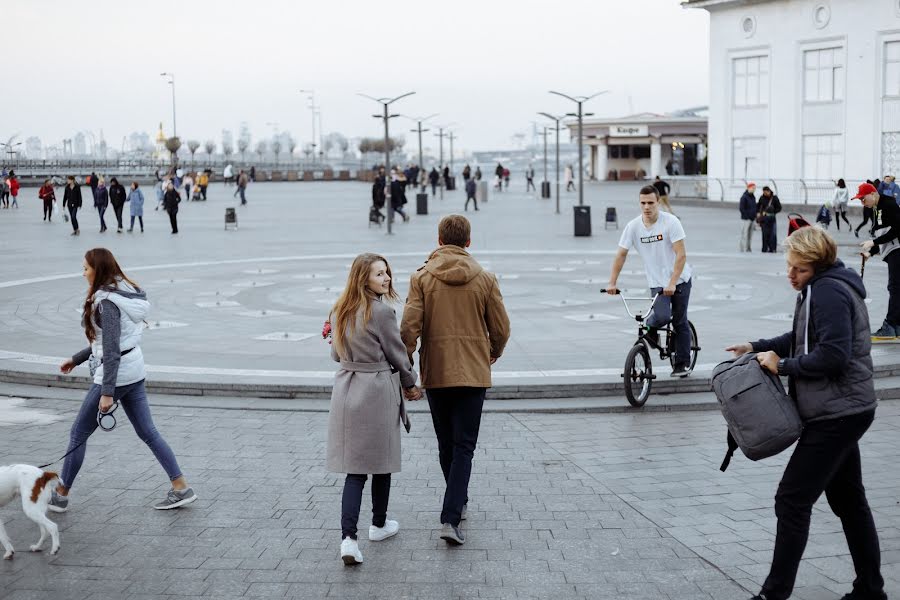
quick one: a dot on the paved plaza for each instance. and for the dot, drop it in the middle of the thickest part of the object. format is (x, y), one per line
(566, 506)
(247, 306)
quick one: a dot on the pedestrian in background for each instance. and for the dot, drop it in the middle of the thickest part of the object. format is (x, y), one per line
(13, 183)
(72, 200)
(662, 187)
(101, 201)
(827, 358)
(889, 187)
(529, 179)
(570, 178)
(398, 196)
(203, 182)
(94, 182)
(188, 183)
(747, 207)
(136, 197)
(471, 187)
(455, 309)
(768, 206)
(839, 201)
(887, 232)
(366, 403)
(242, 181)
(434, 177)
(4, 191)
(170, 205)
(117, 197)
(46, 194)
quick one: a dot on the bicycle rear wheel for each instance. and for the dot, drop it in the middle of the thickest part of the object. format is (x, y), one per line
(638, 375)
(695, 347)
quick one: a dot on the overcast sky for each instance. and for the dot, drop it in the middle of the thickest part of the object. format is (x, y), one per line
(483, 64)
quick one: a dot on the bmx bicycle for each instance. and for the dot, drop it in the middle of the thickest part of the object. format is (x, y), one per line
(638, 375)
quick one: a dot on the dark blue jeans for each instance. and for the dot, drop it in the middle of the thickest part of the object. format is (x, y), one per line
(351, 501)
(674, 308)
(73, 213)
(826, 459)
(456, 415)
(133, 399)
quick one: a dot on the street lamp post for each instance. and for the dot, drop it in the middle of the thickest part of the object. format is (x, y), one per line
(452, 136)
(441, 135)
(419, 130)
(556, 120)
(580, 100)
(386, 102)
(312, 111)
(171, 80)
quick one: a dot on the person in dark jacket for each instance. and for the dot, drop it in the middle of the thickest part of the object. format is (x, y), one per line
(886, 228)
(470, 193)
(72, 200)
(748, 216)
(46, 194)
(94, 183)
(827, 359)
(662, 187)
(117, 197)
(467, 173)
(477, 173)
(378, 197)
(170, 205)
(101, 200)
(498, 171)
(447, 183)
(398, 196)
(768, 206)
(434, 178)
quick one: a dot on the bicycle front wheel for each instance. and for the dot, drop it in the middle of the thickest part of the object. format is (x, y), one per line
(638, 375)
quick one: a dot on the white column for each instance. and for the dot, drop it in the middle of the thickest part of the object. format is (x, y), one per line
(655, 157)
(600, 166)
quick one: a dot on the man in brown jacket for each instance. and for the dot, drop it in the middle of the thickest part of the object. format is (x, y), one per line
(455, 308)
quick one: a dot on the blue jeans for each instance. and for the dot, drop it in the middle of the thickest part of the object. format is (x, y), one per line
(456, 415)
(133, 399)
(101, 210)
(674, 308)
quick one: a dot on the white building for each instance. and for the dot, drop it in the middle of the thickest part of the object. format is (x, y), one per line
(803, 89)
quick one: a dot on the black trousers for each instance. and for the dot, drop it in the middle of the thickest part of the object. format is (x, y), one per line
(826, 459)
(530, 185)
(73, 214)
(868, 215)
(456, 415)
(173, 219)
(351, 501)
(893, 312)
(48, 208)
(769, 235)
(473, 199)
(117, 208)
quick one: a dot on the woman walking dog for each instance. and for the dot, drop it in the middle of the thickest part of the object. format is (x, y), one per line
(366, 404)
(827, 359)
(113, 321)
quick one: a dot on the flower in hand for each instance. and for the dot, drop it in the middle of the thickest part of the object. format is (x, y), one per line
(326, 331)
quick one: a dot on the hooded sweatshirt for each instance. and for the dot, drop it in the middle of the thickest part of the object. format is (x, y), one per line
(831, 378)
(118, 315)
(455, 308)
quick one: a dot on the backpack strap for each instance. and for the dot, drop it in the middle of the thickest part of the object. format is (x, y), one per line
(732, 446)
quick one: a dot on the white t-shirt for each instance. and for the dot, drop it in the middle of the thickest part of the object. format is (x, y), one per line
(654, 244)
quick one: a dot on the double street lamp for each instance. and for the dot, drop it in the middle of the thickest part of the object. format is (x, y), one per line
(441, 135)
(418, 121)
(555, 120)
(579, 100)
(386, 102)
(312, 111)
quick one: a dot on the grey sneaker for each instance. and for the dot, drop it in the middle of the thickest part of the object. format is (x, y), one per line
(452, 534)
(58, 502)
(887, 332)
(176, 499)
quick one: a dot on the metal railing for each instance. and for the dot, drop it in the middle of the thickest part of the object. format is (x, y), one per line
(795, 191)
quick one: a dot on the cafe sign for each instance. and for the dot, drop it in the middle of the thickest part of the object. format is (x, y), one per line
(628, 131)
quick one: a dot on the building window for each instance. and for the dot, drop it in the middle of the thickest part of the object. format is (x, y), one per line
(749, 158)
(823, 157)
(619, 152)
(892, 69)
(823, 75)
(750, 78)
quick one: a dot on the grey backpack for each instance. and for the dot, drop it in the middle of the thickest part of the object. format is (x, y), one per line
(762, 419)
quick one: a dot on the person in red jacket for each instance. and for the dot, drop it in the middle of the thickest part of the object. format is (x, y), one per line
(46, 194)
(14, 188)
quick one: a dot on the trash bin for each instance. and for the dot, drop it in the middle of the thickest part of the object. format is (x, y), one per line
(582, 221)
(481, 192)
(230, 218)
(421, 204)
(545, 189)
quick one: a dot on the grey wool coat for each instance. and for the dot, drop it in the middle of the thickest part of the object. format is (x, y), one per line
(366, 402)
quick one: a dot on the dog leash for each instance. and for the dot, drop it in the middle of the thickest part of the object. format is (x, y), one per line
(102, 423)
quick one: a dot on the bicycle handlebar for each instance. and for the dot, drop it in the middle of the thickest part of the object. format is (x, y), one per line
(618, 291)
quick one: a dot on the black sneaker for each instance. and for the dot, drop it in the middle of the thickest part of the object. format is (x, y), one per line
(680, 372)
(58, 503)
(452, 534)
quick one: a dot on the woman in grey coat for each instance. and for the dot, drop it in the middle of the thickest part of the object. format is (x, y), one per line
(366, 403)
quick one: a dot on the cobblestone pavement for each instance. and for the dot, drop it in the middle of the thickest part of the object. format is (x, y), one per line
(563, 506)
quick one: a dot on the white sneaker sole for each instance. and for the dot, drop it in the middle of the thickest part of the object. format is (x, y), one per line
(57, 509)
(382, 537)
(178, 504)
(350, 560)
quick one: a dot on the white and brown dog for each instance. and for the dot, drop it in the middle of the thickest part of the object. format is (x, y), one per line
(32, 484)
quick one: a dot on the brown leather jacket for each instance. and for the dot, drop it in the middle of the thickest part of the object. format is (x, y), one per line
(455, 307)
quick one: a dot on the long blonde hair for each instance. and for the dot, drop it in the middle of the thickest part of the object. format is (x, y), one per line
(355, 297)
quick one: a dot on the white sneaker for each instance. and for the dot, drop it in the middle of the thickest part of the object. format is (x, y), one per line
(376, 534)
(350, 553)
